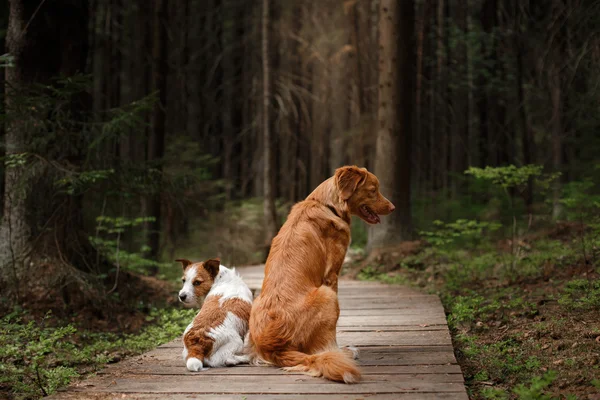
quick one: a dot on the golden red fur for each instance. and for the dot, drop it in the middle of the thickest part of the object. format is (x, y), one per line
(293, 321)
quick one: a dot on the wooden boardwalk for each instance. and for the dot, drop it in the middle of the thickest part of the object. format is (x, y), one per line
(405, 353)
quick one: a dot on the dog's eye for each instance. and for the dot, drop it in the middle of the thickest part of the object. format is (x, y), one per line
(183, 280)
(197, 283)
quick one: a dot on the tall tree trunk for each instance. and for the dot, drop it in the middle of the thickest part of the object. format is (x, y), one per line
(556, 139)
(270, 214)
(43, 46)
(156, 144)
(526, 135)
(194, 92)
(395, 117)
(228, 134)
(484, 102)
(3, 21)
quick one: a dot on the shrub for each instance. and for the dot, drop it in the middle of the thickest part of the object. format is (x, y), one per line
(536, 390)
(581, 294)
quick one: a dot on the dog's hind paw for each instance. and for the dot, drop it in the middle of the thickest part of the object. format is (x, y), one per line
(352, 350)
(193, 364)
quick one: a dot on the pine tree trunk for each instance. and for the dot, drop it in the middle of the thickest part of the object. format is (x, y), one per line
(270, 215)
(395, 117)
(40, 53)
(156, 144)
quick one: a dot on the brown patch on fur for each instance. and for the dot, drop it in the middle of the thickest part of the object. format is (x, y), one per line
(239, 308)
(295, 315)
(212, 314)
(184, 262)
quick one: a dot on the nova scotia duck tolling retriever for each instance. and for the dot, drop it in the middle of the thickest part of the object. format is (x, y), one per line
(293, 320)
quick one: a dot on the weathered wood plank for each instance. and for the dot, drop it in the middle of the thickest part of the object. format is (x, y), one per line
(399, 320)
(408, 338)
(157, 368)
(180, 396)
(400, 311)
(382, 355)
(380, 338)
(392, 328)
(284, 384)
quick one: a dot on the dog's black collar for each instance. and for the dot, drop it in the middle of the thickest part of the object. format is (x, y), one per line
(333, 210)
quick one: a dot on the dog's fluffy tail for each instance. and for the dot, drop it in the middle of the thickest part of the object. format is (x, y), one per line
(334, 365)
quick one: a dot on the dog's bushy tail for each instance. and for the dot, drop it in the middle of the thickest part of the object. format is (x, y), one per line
(334, 365)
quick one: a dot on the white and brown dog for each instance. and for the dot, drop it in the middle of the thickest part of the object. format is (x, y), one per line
(215, 338)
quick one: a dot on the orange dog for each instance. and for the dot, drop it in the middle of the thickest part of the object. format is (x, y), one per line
(293, 320)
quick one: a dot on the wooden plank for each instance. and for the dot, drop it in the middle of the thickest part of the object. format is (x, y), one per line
(407, 338)
(284, 384)
(381, 355)
(88, 395)
(392, 320)
(392, 328)
(394, 300)
(157, 368)
(384, 312)
(380, 338)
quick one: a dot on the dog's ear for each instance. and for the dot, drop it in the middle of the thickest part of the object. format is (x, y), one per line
(184, 262)
(212, 266)
(348, 179)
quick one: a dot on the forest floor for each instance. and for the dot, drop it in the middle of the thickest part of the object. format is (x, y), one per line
(524, 317)
(53, 337)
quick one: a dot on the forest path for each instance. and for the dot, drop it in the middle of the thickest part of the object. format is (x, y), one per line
(405, 353)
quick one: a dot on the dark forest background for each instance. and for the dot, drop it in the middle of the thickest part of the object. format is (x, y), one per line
(136, 132)
(184, 112)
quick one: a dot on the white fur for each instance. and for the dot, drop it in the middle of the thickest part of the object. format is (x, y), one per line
(229, 344)
(185, 350)
(354, 351)
(228, 347)
(193, 364)
(229, 285)
(188, 288)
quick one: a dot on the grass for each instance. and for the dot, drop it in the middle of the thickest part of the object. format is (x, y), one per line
(523, 317)
(38, 356)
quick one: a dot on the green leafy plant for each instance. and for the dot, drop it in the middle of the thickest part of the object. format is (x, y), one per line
(516, 178)
(582, 203)
(537, 388)
(28, 354)
(581, 294)
(494, 393)
(37, 358)
(78, 183)
(467, 309)
(108, 240)
(511, 176)
(467, 232)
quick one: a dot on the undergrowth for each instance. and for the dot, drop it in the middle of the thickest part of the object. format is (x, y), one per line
(37, 357)
(522, 299)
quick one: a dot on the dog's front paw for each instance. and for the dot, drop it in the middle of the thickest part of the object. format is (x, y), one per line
(193, 364)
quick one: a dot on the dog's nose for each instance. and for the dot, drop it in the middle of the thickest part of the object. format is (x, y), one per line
(392, 207)
(182, 296)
